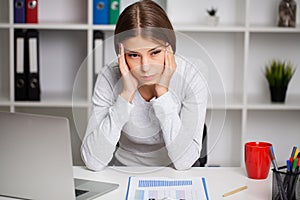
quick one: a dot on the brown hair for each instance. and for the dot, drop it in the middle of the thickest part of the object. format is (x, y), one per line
(145, 18)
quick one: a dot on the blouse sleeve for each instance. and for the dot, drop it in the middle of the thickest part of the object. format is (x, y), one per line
(105, 123)
(183, 129)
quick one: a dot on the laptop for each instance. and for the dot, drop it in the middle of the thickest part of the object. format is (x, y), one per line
(36, 160)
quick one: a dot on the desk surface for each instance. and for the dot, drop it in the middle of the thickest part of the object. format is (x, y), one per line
(219, 180)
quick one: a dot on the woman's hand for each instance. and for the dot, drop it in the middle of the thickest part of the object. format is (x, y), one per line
(129, 82)
(170, 66)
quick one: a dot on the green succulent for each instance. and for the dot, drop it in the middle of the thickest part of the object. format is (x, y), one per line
(279, 73)
(212, 11)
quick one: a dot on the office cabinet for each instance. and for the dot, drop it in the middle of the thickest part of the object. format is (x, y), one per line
(236, 51)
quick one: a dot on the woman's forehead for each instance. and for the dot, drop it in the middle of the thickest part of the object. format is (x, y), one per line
(139, 43)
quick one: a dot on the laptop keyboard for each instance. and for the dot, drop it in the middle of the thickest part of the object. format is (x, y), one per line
(80, 192)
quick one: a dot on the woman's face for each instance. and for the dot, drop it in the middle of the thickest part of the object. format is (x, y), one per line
(145, 59)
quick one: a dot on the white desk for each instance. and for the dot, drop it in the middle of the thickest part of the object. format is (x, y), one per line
(219, 180)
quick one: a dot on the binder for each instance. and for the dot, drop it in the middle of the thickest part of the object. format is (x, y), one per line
(19, 11)
(32, 61)
(100, 11)
(114, 11)
(20, 68)
(32, 11)
(98, 53)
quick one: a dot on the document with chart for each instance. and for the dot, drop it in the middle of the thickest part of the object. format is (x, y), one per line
(155, 188)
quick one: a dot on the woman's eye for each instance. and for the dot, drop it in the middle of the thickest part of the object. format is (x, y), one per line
(133, 55)
(156, 52)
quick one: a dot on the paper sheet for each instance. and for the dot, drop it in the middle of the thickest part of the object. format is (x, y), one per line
(159, 188)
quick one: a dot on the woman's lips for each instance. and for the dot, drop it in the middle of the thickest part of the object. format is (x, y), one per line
(148, 78)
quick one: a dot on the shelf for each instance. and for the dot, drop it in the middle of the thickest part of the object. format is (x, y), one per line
(177, 27)
(51, 104)
(206, 28)
(104, 27)
(53, 26)
(4, 25)
(273, 29)
(54, 100)
(260, 103)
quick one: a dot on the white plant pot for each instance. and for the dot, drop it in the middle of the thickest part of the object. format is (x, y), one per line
(212, 20)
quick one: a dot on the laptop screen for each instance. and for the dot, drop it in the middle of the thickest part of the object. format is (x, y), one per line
(35, 155)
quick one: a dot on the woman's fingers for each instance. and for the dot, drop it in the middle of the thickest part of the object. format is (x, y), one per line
(167, 61)
(170, 64)
(171, 58)
(129, 82)
(121, 59)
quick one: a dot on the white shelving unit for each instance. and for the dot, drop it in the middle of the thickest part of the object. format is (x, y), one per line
(243, 42)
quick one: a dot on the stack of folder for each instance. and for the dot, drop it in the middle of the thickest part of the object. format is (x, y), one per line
(106, 11)
(25, 11)
(26, 58)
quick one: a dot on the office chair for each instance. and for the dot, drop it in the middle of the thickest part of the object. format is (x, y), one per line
(201, 162)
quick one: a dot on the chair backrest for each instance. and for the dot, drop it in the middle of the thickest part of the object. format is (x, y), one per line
(201, 162)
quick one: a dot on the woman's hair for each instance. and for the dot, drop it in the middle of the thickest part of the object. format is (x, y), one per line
(147, 19)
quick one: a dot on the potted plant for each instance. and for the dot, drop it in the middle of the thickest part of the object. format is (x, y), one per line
(212, 18)
(278, 74)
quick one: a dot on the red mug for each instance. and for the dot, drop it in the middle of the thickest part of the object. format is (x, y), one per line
(257, 159)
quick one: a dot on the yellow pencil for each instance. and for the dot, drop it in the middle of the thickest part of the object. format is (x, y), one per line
(235, 191)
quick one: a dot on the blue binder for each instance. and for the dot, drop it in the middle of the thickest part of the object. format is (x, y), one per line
(19, 11)
(100, 11)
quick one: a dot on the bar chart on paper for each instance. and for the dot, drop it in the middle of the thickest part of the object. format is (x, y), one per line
(144, 188)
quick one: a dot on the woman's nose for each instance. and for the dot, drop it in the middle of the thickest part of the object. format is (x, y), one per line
(145, 65)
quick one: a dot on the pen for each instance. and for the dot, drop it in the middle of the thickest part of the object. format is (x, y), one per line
(294, 165)
(205, 188)
(272, 156)
(296, 153)
(288, 177)
(292, 154)
(235, 191)
(298, 163)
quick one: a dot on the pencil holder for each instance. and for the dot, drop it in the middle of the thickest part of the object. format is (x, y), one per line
(285, 184)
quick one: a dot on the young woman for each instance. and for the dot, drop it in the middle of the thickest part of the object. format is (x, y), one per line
(149, 108)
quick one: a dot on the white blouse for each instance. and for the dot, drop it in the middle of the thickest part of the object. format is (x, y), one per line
(162, 132)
